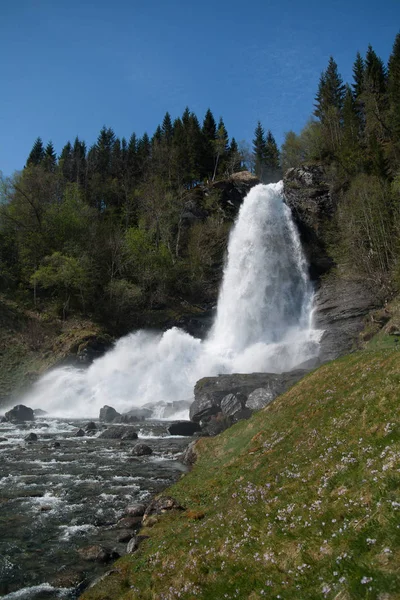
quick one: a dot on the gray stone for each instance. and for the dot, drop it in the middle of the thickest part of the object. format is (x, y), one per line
(341, 306)
(309, 196)
(259, 398)
(108, 414)
(31, 437)
(119, 432)
(20, 414)
(91, 426)
(134, 543)
(232, 404)
(135, 510)
(141, 450)
(80, 433)
(210, 391)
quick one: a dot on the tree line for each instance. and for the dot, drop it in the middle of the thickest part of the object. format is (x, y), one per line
(105, 229)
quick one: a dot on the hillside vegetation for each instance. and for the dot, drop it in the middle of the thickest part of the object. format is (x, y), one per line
(301, 501)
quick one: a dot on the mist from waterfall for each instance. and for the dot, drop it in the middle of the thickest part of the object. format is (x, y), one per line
(263, 324)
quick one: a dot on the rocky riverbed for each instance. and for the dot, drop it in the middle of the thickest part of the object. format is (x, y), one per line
(63, 495)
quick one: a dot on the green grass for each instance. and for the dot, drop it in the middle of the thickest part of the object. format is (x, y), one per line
(301, 501)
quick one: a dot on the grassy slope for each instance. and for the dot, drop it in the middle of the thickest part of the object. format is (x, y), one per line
(301, 501)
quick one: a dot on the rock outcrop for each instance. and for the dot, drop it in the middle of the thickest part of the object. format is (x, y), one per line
(309, 196)
(341, 306)
(231, 395)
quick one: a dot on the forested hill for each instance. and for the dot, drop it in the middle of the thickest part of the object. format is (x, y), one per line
(132, 223)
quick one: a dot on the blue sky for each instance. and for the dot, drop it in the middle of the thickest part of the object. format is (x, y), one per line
(68, 68)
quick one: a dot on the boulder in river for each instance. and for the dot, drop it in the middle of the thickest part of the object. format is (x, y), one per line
(135, 510)
(91, 426)
(31, 437)
(20, 414)
(183, 428)
(80, 433)
(125, 419)
(97, 553)
(119, 432)
(108, 414)
(142, 450)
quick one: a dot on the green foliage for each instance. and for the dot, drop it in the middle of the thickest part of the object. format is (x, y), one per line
(366, 224)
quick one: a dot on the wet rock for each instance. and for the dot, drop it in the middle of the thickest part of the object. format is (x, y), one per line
(38, 412)
(189, 457)
(215, 424)
(3, 439)
(20, 414)
(129, 523)
(130, 435)
(134, 543)
(119, 432)
(259, 398)
(231, 404)
(135, 510)
(56, 445)
(309, 196)
(161, 505)
(31, 437)
(142, 450)
(108, 414)
(80, 433)
(185, 428)
(3, 420)
(124, 536)
(210, 391)
(125, 419)
(97, 553)
(91, 426)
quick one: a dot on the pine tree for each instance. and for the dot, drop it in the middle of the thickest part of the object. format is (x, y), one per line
(259, 150)
(358, 76)
(209, 134)
(37, 153)
(167, 129)
(330, 92)
(329, 105)
(50, 158)
(271, 161)
(79, 162)
(65, 162)
(375, 73)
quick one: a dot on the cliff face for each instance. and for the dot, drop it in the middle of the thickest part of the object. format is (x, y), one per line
(308, 195)
(341, 304)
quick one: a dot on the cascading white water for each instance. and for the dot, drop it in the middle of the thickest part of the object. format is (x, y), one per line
(263, 323)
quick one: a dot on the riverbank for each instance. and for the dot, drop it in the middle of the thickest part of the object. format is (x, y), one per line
(299, 501)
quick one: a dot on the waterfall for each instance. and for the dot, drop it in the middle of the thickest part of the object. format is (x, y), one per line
(263, 323)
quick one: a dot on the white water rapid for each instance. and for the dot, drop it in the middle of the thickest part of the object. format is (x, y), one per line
(263, 323)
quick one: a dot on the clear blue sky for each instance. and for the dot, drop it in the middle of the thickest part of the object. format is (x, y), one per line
(68, 68)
